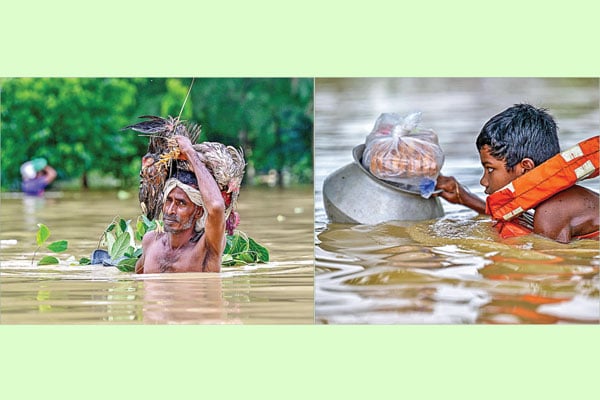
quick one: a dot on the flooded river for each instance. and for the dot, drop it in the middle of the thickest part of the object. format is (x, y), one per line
(278, 292)
(452, 270)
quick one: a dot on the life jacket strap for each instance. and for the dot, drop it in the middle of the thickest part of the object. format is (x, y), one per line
(552, 176)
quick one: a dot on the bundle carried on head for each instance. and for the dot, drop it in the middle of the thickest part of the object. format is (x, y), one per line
(225, 163)
(397, 151)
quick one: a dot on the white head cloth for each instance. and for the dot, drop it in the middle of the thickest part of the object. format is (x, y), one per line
(193, 194)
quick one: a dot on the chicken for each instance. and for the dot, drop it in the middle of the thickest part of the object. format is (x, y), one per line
(225, 163)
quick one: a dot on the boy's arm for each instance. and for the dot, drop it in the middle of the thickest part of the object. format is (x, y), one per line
(456, 193)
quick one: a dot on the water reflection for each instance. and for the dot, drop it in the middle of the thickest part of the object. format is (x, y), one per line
(454, 269)
(178, 300)
(279, 292)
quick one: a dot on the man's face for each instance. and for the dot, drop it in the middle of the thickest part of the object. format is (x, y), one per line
(179, 213)
(495, 176)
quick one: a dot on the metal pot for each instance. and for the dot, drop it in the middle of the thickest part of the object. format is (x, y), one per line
(353, 195)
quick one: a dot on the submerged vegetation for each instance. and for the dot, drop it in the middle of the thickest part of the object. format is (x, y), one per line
(42, 235)
(123, 245)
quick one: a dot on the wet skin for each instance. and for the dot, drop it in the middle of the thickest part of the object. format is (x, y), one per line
(564, 216)
(496, 175)
(179, 212)
(174, 250)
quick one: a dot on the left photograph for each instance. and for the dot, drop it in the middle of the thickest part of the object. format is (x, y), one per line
(156, 201)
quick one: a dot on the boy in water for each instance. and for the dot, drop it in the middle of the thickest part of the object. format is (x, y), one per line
(511, 144)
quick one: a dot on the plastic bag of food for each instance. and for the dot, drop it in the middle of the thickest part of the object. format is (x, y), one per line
(399, 152)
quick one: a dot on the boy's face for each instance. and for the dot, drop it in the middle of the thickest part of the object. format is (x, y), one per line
(495, 176)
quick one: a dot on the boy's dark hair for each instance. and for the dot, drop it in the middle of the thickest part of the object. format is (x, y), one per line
(521, 131)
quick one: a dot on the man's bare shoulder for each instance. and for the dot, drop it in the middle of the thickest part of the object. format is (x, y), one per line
(150, 237)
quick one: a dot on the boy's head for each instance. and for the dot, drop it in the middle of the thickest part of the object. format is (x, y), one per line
(521, 131)
(518, 139)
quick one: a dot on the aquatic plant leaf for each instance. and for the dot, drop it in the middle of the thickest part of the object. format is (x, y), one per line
(84, 261)
(127, 265)
(58, 246)
(242, 250)
(227, 260)
(140, 230)
(247, 257)
(110, 227)
(262, 254)
(145, 219)
(233, 261)
(117, 250)
(42, 234)
(236, 244)
(147, 222)
(48, 260)
(129, 229)
(133, 252)
(109, 239)
(122, 225)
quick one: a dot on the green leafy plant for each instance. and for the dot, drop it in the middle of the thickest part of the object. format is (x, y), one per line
(120, 240)
(123, 244)
(241, 250)
(42, 235)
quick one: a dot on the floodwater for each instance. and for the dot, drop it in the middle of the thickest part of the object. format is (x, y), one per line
(278, 292)
(455, 269)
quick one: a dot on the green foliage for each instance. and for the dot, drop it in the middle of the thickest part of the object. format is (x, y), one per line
(123, 249)
(75, 123)
(242, 250)
(127, 264)
(271, 119)
(84, 261)
(58, 246)
(48, 260)
(41, 236)
(121, 241)
(174, 97)
(119, 238)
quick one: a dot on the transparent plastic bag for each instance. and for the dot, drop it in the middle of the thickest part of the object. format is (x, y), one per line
(399, 152)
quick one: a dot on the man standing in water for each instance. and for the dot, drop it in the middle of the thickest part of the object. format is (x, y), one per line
(194, 222)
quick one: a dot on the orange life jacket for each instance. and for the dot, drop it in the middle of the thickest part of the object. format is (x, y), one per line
(552, 176)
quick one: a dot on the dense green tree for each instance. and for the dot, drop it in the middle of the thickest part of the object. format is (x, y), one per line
(76, 123)
(271, 119)
(72, 122)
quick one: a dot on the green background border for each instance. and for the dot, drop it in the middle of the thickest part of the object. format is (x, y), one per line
(314, 39)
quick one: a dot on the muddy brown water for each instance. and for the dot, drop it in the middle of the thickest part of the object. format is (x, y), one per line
(452, 270)
(278, 292)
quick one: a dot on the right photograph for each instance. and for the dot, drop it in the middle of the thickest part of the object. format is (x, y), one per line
(457, 200)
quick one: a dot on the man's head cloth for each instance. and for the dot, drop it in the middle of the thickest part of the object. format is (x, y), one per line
(192, 193)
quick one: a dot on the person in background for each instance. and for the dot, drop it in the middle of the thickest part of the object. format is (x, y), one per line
(36, 176)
